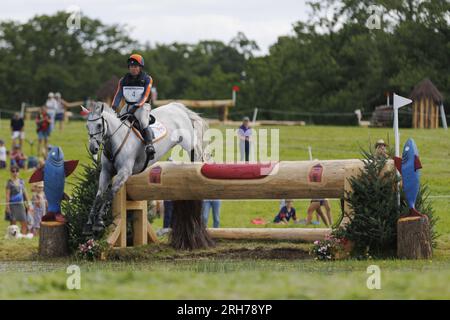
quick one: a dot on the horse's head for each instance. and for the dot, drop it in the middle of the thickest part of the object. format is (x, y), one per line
(96, 126)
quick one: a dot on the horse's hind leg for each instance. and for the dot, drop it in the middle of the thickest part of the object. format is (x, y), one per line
(121, 177)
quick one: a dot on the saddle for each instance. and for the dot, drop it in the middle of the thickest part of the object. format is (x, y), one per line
(136, 124)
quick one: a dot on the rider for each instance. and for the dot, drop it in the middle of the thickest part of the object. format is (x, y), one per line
(135, 88)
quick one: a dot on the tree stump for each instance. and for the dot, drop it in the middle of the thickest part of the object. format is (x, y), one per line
(414, 238)
(53, 239)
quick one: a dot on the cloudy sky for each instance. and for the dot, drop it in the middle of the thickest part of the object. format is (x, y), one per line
(166, 21)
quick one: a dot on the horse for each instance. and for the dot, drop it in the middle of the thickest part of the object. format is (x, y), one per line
(124, 151)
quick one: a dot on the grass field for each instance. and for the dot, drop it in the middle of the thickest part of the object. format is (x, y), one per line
(242, 269)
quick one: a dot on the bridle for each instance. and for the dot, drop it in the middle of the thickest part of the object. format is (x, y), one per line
(105, 139)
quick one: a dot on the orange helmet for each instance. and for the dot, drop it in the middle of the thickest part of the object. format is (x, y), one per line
(136, 59)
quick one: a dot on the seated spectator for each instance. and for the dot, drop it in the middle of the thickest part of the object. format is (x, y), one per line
(18, 158)
(3, 153)
(315, 206)
(286, 213)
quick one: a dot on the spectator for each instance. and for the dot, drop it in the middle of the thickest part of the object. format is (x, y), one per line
(316, 205)
(286, 213)
(60, 108)
(380, 148)
(18, 158)
(206, 207)
(244, 134)
(17, 126)
(51, 105)
(43, 122)
(38, 206)
(3, 153)
(16, 197)
(168, 210)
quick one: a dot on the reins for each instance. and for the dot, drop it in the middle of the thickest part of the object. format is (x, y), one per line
(106, 139)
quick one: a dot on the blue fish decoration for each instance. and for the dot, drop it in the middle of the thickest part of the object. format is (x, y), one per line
(409, 167)
(53, 173)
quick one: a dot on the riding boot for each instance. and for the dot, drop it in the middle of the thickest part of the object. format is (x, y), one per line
(148, 140)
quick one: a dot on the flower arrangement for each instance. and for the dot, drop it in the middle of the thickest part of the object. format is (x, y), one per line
(92, 250)
(332, 248)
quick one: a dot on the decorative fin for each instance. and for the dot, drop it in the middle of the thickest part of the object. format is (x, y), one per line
(69, 167)
(37, 175)
(398, 164)
(417, 163)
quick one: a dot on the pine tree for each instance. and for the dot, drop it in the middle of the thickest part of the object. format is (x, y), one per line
(372, 226)
(77, 209)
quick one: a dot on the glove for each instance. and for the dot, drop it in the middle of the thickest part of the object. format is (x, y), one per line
(133, 108)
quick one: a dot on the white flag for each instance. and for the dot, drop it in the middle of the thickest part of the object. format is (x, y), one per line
(400, 101)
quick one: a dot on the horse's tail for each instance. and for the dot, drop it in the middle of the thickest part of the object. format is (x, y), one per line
(200, 126)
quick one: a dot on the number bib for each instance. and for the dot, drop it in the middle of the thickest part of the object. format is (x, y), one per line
(133, 94)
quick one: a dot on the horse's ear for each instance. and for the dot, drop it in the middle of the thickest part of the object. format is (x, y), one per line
(103, 106)
(84, 111)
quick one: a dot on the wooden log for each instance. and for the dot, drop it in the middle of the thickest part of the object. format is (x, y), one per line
(287, 179)
(414, 238)
(293, 234)
(53, 239)
(197, 103)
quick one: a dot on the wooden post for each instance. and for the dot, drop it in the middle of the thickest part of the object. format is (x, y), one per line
(414, 238)
(53, 239)
(119, 209)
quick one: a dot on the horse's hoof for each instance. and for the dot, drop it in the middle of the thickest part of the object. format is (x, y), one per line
(98, 226)
(87, 230)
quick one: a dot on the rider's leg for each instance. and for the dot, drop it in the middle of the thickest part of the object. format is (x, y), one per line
(142, 115)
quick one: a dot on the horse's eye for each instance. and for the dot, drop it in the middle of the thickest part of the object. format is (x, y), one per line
(99, 126)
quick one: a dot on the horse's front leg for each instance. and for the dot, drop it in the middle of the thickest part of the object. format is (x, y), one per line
(104, 181)
(119, 180)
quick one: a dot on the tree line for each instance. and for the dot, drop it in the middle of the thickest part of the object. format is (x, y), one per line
(330, 65)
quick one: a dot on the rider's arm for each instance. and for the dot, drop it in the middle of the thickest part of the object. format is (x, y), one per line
(148, 89)
(118, 96)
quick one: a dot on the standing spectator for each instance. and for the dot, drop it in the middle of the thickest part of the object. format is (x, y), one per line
(286, 213)
(3, 153)
(215, 205)
(168, 210)
(316, 205)
(51, 105)
(18, 158)
(43, 122)
(38, 206)
(244, 134)
(60, 109)
(17, 126)
(380, 148)
(16, 197)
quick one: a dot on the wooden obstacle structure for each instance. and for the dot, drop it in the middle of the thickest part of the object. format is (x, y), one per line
(221, 105)
(197, 181)
(32, 111)
(426, 105)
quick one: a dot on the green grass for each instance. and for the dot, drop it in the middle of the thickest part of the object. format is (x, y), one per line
(242, 269)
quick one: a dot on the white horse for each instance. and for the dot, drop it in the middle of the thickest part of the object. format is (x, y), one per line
(124, 151)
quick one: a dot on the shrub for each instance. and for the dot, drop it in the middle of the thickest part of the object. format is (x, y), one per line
(77, 209)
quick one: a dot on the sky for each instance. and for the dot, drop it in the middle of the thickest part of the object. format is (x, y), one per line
(167, 21)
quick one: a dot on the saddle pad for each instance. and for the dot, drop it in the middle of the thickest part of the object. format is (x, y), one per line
(159, 130)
